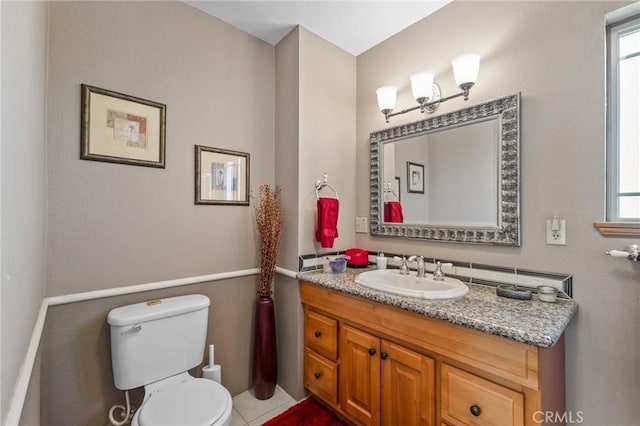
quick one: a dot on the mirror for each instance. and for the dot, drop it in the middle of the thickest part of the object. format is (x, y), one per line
(453, 177)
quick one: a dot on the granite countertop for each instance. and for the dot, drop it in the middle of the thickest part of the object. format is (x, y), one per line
(528, 321)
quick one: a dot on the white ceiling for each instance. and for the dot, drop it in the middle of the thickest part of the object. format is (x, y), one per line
(354, 26)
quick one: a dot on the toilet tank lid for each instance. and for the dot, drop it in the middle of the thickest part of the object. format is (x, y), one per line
(156, 309)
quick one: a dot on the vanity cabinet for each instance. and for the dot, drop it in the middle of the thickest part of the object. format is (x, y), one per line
(378, 364)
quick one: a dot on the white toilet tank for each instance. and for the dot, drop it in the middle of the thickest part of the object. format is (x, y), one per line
(157, 339)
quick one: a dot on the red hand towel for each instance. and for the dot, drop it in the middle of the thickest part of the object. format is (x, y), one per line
(393, 212)
(327, 229)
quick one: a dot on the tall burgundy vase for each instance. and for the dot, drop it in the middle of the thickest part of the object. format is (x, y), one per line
(265, 354)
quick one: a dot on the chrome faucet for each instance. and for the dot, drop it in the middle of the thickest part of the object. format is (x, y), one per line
(420, 265)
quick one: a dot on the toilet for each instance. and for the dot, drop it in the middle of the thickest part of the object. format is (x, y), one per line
(154, 344)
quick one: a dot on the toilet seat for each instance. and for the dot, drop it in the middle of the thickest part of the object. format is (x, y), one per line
(195, 402)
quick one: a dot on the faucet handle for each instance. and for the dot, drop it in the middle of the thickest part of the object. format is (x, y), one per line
(438, 275)
(404, 268)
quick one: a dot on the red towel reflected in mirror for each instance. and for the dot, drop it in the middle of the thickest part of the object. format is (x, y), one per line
(393, 212)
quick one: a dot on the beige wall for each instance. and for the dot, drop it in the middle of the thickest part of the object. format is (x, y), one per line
(116, 225)
(23, 177)
(315, 133)
(552, 52)
(290, 335)
(287, 298)
(287, 103)
(327, 137)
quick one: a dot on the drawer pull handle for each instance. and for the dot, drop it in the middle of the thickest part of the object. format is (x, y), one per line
(372, 351)
(475, 410)
(317, 334)
(384, 355)
(317, 375)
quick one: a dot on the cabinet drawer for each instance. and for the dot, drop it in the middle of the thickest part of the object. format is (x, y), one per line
(321, 376)
(321, 334)
(467, 399)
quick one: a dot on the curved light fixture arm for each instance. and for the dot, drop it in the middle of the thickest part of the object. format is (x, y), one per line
(431, 106)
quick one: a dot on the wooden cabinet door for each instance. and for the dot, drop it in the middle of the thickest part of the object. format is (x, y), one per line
(360, 375)
(408, 381)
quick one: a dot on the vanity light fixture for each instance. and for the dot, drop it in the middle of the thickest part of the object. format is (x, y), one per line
(426, 92)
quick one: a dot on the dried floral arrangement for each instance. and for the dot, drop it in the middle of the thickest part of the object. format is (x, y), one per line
(269, 221)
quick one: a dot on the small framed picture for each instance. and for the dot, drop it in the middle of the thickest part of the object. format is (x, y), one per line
(119, 128)
(415, 178)
(222, 176)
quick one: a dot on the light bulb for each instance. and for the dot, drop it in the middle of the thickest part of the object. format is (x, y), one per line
(422, 86)
(465, 68)
(387, 98)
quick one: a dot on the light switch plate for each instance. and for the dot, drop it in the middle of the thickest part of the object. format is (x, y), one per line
(361, 225)
(560, 238)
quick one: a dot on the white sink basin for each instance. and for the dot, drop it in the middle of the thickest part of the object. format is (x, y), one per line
(390, 281)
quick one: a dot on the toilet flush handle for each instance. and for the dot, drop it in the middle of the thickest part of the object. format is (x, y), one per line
(132, 330)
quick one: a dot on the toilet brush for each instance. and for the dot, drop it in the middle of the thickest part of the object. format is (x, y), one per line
(212, 371)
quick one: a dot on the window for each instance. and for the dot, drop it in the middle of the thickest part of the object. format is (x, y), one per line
(624, 122)
(623, 125)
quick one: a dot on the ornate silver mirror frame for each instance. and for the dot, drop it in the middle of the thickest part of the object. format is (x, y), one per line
(507, 231)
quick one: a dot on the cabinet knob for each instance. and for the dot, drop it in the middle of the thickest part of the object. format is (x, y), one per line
(317, 334)
(384, 355)
(372, 351)
(475, 410)
(317, 375)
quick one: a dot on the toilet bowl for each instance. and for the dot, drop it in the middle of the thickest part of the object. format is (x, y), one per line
(154, 344)
(193, 402)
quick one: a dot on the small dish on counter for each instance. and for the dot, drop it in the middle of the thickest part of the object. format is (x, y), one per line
(513, 292)
(336, 264)
(546, 293)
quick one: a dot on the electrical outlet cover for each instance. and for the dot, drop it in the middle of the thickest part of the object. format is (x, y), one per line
(558, 238)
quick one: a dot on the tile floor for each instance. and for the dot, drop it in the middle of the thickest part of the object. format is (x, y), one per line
(249, 411)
